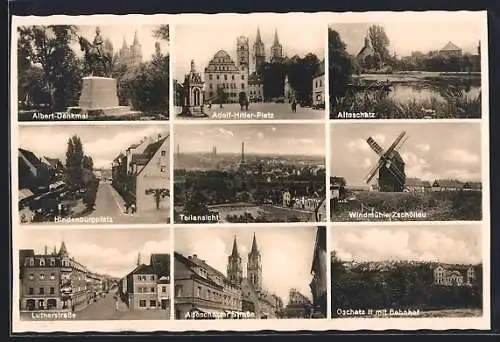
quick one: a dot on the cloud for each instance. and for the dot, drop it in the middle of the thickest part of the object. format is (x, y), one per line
(417, 167)
(430, 243)
(461, 156)
(367, 163)
(462, 174)
(357, 145)
(379, 138)
(423, 147)
(226, 132)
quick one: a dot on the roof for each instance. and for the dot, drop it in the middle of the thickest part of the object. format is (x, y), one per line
(193, 262)
(414, 182)
(255, 249)
(221, 54)
(25, 193)
(450, 47)
(54, 162)
(321, 69)
(160, 264)
(473, 185)
(142, 159)
(143, 269)
(448, 183)
(32, 159)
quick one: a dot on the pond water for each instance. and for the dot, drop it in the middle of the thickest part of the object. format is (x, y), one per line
(427, 88)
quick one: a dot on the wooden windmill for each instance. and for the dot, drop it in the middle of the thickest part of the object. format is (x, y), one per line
(390, 166)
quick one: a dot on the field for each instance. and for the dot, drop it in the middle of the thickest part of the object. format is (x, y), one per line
(427, 206)
(262, 213)
(452, 313)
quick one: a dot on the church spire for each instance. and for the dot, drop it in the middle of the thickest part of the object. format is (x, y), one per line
(63, 250)
(136, 38)
(255, 249)
(276, 40)
(258, 39)
(139, 259)
(124, 44)
(235, 248)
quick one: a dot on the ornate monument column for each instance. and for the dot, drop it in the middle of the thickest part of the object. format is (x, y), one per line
(193, 100)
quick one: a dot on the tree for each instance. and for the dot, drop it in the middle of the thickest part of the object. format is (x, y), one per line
(74, 162)
(273, 79)
(162, 32)
(48, 47)
(340, 66)
(301, 72)
(380, 42)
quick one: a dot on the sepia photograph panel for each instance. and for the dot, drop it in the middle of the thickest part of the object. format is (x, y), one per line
(255, 173)
(80, 174)
(93, 73)
(406, 172)
(405, 69)
(406, 271)
(238, 273)
(249, 71)
(119, 274)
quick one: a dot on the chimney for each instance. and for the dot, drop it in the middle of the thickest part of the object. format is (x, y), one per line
(159, 136)
(190, 257)
(195, 256)
(45, 250)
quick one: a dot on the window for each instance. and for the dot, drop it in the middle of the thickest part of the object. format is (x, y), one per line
(242, 77)
(217, 77)
(163, 153)
(163, 289)
(152, 303)
(198, 291)
(51, 291)
(52, 262)
(243, 86)
(153, 290)
(31, 276)
(42, 262)
(142, 303)
(52, 276)
(232, 77)
(41, 290)
(225, 77)
(162, 169)
(31, 291)
(178, 290)
(31, 262)
(42, 276)
(210, 77)
(210, 86)
(65, 262)
(209, 294)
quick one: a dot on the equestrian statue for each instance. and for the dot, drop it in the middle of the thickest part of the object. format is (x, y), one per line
(96, 54)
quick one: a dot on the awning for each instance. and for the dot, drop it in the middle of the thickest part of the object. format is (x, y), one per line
(25, 193)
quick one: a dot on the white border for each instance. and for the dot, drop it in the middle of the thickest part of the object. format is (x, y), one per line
(326, 18)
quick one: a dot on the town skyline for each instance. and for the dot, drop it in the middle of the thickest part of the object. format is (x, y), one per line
(116, 34)
(456, 244)
(282, 248)
(108, 252)
(101, 142)
(427, 155)
(211, 38)
(407, 37)
(286, 139)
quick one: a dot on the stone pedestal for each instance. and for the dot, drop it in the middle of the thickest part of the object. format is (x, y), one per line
(99, 98)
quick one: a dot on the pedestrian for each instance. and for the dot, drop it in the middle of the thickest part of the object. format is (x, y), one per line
(209, 104)
(132, 208)
(126, 207)
(246, 104)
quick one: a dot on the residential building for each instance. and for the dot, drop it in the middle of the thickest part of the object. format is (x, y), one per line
(200, 287)
(299, 306)
(451, 50)
(318, 87)
(51, 280)
(33, 173)
(417, 185)
(447, 185)
(454, 277)
(141, 175)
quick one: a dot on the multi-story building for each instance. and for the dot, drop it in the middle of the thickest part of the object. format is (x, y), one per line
(51, 280)
(147, 286)
(299, 306)
(34, 174)
(318, 87)
(454, 277)
(141, 175)
(200, 287)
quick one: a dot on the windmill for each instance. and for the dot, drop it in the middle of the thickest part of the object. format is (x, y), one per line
(390, 165)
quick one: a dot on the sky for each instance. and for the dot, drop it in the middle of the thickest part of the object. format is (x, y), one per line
(447, 244)
(427, 155)
(101, 142)
(286, 253)
(407, 37)
(105, 251)
(283, 139)
(116, 33)
(200, 42)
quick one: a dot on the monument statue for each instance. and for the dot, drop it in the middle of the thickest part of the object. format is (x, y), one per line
(96, 54)
(99, 92)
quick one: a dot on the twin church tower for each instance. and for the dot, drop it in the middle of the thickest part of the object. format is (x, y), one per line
(258, 53)
(254, 266)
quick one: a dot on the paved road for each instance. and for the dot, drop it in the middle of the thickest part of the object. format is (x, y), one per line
(279, 111)
(108, 202)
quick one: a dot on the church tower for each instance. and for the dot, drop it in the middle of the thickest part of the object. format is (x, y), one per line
(135, 51)
(242, 53)
(254, 267)
(234, 269)
(276, 49)
(259, 52)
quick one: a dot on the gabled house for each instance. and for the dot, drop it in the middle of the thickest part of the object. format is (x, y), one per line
(33, 173)
(447, 185)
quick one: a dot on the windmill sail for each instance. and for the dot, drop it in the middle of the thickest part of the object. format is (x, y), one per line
(375, 147)
(374, 171)
(396, 142)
